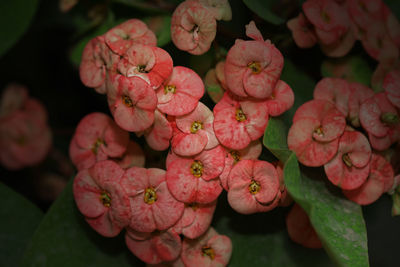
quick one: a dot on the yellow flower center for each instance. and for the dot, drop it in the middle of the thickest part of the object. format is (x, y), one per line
(197, 168)
(389, 118)
(96, 145)
(170, 88)
(208, 251)
(346, 159)
(254, 187)
(193, 205)
(240, 116)
(235, 155)
(127, 101)
(105, 198)
(255, 67)
(196, 126)
(319, 131)
(325, 17)
(272, 96)
(142, 69)
(150, 195)
(21, 140)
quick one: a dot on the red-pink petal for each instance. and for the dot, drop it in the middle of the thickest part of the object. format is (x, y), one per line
(283, 99)
(181, 183)
(310, 152)
(158, 136)
(188, 144)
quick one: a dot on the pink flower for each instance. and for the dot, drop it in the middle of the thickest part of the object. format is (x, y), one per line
(314, 134)
(302, 31)
(391, 84)
(350, 167)
(329, 19)
(193, 27)
(156, 247)
(180, 94)
(209, 250)
(152, 205)
(96, 138)
(133, 156)
(253, 68)
(253, 187)
(380, 180)
(238, 122)
(334, 90)
(195, 179)
(133, 31)
(252, 151)
(378, 44)
(159, 134)
(378, 115)
(365, 13)
(196, 219)
(358, 94)
(194, 132)
(97, 58)
(101, 199)
(132, 103)
(332, 121)
(281, 99)
(341, 46)
(152, 64)
(24, 140)
(300, 229)
(25, 137)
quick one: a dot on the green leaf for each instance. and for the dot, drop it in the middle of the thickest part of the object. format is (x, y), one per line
(263, 8)
(275, 137)
(350, 68)
(215, 92)
(64, 238)
(15, 18)
(161, 26)
(262, 239)
(338, 222)
(19, 220)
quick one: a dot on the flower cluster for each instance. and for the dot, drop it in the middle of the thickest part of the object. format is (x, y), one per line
(25, 137)
(320, 136)
(98, 138)
(336, 25)
(167, 213)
